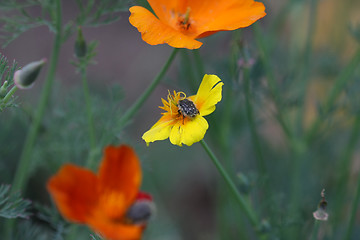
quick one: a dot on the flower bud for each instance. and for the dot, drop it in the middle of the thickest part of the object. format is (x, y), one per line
(25, 77)
(80, 47)
(140, 212)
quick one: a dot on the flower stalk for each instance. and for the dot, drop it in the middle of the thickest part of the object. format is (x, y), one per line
(90, 118)
(22, 170)
(141, 100)
(249, 212)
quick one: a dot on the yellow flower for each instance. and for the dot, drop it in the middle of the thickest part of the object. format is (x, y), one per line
(184, 122)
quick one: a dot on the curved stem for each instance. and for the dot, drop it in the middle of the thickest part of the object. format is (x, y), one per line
(140, 101)
(249, 212)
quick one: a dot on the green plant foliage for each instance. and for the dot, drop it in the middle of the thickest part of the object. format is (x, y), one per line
(12, 205)
(6, 82)
(16, 17)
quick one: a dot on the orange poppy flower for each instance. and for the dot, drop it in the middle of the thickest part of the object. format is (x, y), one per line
(180, 22)
(110, 201)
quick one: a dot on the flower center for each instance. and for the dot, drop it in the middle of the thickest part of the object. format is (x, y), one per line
(187, 108)
(183, 20)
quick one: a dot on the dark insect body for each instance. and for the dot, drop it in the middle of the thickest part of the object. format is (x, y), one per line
(187, 108)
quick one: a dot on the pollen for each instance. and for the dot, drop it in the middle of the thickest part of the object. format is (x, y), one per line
(187, 108)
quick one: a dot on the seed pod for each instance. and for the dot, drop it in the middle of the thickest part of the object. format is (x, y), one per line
(25, 77)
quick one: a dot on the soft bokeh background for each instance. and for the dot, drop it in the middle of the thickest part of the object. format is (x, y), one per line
(192, 199)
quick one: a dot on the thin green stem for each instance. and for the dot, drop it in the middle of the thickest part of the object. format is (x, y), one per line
(199, 63)
(315, 232)
(353, 211)
(23, 166)
(140, 101)
(9, 94)
(254, 135)
(337, 88)
(90, 118)
(22, 170)
(271, 79)
(89, 113)
(344, 168)
(305, 73)
(249, 212)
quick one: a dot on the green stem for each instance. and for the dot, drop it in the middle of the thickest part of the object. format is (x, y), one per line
(254, 135)
(9, 94)
(305, 73)
(91, 127)
(337, 88)
(199, 63)
(90, 119)
(271, 79)
(353, 212)
(315, 232)
(22, 170)
(23, 166)
(140, 101)
(240, 199)
(344, 169)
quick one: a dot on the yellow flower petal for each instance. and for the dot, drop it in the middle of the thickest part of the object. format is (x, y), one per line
(208, 95)
(192, 131)
(160, 131)
(154, 32)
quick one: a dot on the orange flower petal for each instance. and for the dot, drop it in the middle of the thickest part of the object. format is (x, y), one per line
(163, 8)
(115, 231)
(154, 32)
(230, 15)
(119, 180)
(74, 190)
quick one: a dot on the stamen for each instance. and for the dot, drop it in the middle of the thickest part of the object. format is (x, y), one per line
(184, 95)
(186, 16)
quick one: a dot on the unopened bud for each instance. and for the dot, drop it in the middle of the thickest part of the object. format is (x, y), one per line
(140, 212)
(80, 47)
(25, 77)
(3, 89)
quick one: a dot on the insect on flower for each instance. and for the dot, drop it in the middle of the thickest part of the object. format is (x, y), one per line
(183, 121)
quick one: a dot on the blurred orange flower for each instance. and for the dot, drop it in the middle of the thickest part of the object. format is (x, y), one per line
(179, 22)
(110, 201)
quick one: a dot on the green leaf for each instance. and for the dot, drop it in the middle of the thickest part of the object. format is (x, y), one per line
(11, 204)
